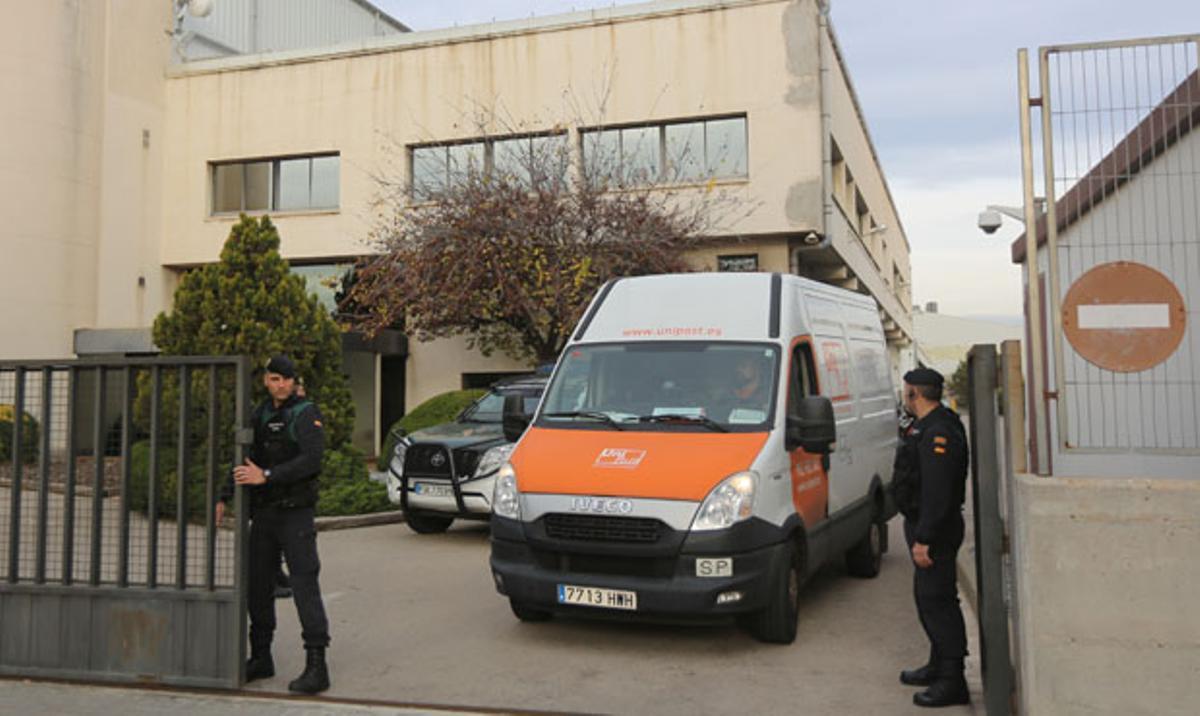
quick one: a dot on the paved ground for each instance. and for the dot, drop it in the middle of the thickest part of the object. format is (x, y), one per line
(416, 620)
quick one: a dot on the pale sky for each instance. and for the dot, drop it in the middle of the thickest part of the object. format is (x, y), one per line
(938, 84)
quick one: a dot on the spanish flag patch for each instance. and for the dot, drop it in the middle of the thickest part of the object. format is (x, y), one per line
(939, 440)
(940, 450)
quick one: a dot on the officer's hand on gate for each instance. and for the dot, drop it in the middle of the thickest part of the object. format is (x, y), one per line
(249, 474)
(920, 555)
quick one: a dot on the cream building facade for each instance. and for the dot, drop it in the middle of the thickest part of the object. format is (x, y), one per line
(131, 168)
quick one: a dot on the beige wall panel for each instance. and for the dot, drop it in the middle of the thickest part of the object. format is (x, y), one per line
(131, 174)
(51, 63)
(437, 366)
(678, 66)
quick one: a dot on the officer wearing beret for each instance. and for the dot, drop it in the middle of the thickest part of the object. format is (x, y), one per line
(280, 477)
(929, 486)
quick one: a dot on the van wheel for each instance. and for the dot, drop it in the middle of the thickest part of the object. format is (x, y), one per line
(428, 524)
(526, 613)
(864, 559)
(776, 624)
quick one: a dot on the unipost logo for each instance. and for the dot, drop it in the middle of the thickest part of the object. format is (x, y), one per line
(625, 458)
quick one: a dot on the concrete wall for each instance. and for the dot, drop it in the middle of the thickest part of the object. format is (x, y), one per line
(1107, 582)
(54, 67)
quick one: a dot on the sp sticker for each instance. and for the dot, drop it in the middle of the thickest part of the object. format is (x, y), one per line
(620, 457)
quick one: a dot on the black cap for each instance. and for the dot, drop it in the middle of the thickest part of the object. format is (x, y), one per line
(282, 365)
(924, 376)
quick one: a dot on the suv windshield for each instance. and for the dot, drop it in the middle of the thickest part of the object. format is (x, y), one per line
(705, 385)
(490, 408)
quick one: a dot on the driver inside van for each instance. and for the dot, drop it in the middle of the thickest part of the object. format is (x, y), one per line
(743, 396)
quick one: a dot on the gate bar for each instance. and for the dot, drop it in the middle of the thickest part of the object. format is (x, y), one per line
(152, 486)
(243, 438)
(126, 475)
(181, 506)
(14, 527)
(98, 475)
(210, 529)
(68, 546)
(39, 573)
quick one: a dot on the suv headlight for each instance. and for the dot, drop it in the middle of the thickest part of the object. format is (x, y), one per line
(731, 501)
(397, 462)
(493, 459)
(506, 498)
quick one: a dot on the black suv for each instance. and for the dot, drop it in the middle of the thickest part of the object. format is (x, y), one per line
(446, 472)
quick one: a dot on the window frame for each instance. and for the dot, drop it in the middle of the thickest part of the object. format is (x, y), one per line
(274, 185)
(665, 161)
(489, 156)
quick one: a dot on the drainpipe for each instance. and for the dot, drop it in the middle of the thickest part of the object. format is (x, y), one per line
(822, 234)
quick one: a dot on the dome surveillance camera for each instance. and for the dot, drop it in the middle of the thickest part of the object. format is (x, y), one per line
(200, 8)
(989, 221)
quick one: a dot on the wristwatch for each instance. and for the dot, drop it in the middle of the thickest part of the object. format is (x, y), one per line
(267, 474)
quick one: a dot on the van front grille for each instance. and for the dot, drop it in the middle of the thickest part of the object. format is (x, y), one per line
(602, 528)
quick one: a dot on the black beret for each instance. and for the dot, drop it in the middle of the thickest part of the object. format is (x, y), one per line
(924, 376)
(282, 365)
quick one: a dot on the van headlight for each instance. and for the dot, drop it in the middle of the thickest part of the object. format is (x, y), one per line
(493, 459)
(730, 502)
(397, 462)
(506, 498)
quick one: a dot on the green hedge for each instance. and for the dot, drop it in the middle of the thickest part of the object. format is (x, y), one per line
(435, 411)
(346, 488)
(29, 435)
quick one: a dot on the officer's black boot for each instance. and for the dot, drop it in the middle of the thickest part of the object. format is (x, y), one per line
(260, 665)
(949, 687)
(315, 678)
(922, 675)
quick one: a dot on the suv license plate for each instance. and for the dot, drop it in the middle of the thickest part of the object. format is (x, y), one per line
(426, 489)
(597, 597)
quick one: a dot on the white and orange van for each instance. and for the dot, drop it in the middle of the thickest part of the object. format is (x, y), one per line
(706, 442)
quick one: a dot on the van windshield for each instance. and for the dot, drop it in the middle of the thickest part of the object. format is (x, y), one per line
(665, 386)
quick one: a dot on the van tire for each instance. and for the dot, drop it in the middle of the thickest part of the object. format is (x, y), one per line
(776, 624)
(865, 558)
(526, 613)
(428, 524)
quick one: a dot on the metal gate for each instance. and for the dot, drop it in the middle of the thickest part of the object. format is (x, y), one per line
(1122, 228)
(111, 565)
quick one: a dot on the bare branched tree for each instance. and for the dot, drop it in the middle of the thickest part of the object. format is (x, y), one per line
(504, 240)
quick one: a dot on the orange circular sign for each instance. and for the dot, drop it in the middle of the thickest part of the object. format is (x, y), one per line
(1124, 316)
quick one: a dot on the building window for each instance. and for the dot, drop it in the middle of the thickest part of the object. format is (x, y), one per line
(286, 184)
(739, 262)
(666, 153)
(438, 167)
(325, 281)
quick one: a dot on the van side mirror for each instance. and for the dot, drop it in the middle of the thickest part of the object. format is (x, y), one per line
(514, 417)
(810, 425)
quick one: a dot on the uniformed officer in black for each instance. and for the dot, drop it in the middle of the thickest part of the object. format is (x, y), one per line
(281, 480)
(929, 484)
